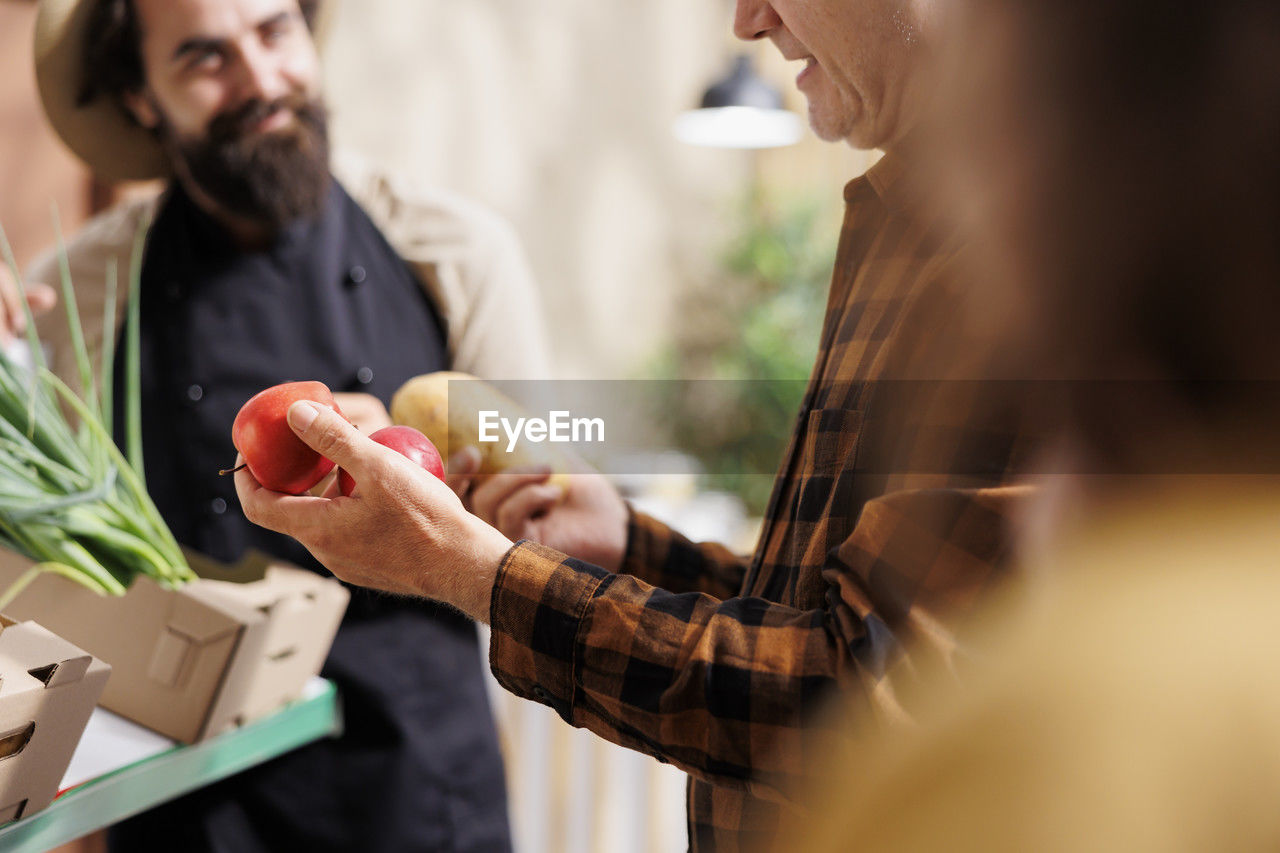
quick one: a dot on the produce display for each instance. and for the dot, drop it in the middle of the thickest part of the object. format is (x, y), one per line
(188, 660)
(446, 407)
(406, 441)
(69, 499)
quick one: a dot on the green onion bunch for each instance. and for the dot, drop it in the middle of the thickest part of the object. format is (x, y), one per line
(69, 499)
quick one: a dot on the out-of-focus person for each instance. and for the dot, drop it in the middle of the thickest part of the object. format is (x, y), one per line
(1124, 160)
(262, 265)
(872, 544)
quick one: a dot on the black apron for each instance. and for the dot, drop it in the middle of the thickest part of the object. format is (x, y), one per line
(418, 767)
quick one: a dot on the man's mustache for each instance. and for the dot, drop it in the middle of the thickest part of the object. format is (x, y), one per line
(235, 124)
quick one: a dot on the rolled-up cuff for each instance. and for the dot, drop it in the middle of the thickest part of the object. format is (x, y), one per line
(539, 598)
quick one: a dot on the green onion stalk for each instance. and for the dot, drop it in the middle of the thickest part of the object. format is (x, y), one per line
(70, 500)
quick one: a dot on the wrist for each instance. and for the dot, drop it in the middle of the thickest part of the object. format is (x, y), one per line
(482, 556)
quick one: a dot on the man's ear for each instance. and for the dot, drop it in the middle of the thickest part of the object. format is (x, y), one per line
(144, 111)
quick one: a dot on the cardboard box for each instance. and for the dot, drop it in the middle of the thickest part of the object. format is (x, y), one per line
(48, 689)
(199, 660)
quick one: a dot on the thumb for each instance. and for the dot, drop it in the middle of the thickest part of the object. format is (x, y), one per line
(332, 436)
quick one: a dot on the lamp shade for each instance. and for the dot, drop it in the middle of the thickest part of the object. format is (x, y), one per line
(742, 88)
(739, 111)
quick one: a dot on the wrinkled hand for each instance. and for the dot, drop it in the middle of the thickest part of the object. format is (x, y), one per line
(587, 520)
(13, 320)
(404, 531)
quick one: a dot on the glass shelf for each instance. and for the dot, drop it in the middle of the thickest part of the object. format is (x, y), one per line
(133, 769)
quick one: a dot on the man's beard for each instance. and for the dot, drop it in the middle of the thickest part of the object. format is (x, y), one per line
(271, 179)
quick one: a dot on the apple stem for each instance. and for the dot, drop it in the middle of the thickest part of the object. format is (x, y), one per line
(225, 471)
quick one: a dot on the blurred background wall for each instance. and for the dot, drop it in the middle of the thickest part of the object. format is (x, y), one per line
(557, 113)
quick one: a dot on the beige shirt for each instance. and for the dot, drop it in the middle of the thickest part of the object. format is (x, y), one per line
(1131, 700)
(466, 257)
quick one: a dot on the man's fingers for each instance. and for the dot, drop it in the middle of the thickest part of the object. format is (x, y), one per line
(525, 504)
(465, 461)
(273, 510)
(492, 491)
(329, 434)
(41, 297)
(460, 470)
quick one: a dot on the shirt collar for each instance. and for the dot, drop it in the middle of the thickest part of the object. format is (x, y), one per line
(888, 180)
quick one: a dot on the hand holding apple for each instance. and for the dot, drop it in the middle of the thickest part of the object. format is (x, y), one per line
(403, 530)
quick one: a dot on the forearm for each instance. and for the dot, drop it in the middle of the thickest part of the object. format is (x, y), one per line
(725, 689)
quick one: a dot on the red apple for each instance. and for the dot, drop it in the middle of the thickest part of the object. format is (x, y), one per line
(276, 457)
(406, 441)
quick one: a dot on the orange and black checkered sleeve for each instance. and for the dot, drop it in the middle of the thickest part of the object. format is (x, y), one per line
(711, 686)
(660, 556)
(726, 689)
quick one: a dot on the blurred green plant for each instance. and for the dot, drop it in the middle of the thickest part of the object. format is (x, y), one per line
(753, 330)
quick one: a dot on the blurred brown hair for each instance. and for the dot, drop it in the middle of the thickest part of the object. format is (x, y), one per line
(1130, 153)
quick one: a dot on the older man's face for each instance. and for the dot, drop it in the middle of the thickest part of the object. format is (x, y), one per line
(860, 61)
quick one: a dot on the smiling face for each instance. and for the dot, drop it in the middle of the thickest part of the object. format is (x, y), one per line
(232, 90)
(861, 58)
(206, 58)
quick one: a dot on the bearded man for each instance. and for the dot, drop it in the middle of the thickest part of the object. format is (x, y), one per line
(261, 266)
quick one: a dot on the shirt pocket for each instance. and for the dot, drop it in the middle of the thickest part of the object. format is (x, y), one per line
(830, 443)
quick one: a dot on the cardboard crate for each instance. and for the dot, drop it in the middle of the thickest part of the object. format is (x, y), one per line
(48, 689)
(199, 660)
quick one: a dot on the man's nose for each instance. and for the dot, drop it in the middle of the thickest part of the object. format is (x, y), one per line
(753, 19)
(261, 77)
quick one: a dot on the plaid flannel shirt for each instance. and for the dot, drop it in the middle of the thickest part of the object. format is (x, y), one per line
(883, 526)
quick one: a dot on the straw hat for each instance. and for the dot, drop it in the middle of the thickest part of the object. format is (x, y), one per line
(99, 133)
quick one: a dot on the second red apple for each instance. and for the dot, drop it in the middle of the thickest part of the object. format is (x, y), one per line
(406, 441)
